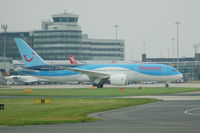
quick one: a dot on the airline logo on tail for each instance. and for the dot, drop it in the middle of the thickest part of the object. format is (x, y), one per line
(28, 60)
(29, 56)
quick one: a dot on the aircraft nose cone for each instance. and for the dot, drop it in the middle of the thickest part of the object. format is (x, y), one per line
(180, 76)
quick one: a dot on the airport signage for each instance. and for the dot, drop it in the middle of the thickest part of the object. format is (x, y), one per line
(42, 101)
(1, 106)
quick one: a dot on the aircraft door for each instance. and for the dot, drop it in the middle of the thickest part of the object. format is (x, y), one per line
(163, 71)
(51, 71)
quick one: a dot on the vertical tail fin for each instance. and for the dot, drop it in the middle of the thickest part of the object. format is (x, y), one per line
(28, 55)
(72, 60)
(3, 72)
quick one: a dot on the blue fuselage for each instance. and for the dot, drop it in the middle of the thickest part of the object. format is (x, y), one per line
(135, 72)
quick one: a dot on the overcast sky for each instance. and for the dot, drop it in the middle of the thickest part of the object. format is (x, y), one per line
(149, 22)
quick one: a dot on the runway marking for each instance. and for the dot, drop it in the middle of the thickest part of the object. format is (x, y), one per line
(189, 111)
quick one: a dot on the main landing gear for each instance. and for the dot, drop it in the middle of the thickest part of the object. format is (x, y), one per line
(98, 85)
(99, 82)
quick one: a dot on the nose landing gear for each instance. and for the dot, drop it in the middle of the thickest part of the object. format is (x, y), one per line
(166, 85)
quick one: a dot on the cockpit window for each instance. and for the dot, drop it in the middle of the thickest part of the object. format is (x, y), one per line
(174, 70)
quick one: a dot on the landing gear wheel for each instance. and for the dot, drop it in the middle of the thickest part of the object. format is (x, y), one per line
(166, 85)
(100, 86)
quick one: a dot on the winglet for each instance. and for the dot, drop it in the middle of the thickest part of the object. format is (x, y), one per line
(28, 55)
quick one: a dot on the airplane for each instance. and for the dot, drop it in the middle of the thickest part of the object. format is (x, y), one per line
(11, 79)
(21, 79)
(72, 60)
(25, 79)
(98, 74)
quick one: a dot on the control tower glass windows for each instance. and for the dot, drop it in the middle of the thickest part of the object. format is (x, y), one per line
(65, 19)
(72, 19)
(57, 19)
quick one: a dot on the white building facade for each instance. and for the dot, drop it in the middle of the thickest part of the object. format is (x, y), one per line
(63, 36)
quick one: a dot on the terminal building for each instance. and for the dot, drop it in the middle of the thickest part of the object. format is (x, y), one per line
(5, 64)
(11, 50)
(62, 36)
(188, 66)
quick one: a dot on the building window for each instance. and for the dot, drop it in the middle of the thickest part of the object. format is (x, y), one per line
(57, 19)
(71, 19)
(63, 19)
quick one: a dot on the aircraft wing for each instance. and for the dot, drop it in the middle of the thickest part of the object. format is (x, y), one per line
(90, 73)
(24, 69)
(25, 79)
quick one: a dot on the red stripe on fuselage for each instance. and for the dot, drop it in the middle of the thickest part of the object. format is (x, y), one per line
(141, 67)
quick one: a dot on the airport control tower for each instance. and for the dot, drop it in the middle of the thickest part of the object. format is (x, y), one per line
(63, 35)
(65, 21)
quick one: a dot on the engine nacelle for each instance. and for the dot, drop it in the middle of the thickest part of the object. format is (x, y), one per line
(83, 78)
(118, 79)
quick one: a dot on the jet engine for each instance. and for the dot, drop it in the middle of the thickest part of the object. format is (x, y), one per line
(118, 79)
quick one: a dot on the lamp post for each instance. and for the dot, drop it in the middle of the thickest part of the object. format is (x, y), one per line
(168, 52)
(177, 41)
(116, 28)
(173, 48)
(4, 26)
(144, 52)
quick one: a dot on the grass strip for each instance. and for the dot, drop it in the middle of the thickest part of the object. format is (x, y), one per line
(96, 92)
(23, 111)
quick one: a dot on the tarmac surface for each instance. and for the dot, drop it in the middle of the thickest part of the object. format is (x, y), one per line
(191, 85)
(178, 113)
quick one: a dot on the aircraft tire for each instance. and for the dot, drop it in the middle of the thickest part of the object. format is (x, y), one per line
(100, 86)
(166, 85)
